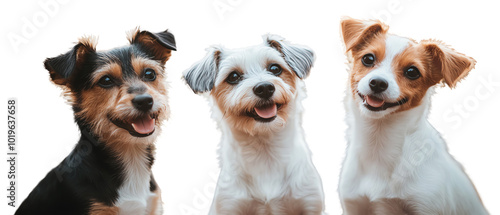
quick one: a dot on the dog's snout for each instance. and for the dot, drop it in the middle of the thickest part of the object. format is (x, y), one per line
(264, 90)
(143, 102)
(378, 85)
(136, 89)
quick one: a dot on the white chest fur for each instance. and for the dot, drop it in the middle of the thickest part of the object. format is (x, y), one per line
(134, 196)
(404, 157)
(267, 167)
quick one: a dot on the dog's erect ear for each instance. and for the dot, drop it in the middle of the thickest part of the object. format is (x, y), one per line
(158, 45)
(62, 67)
(201, 76)
(450, 65)
(356, 33)
(299, 58)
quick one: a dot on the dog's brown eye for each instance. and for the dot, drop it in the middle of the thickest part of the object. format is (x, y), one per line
(368, 60)
(149, 75)
(412, 73)
(106, 82)
(275, 69)
(233, 78)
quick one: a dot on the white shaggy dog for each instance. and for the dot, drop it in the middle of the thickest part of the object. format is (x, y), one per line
(396, 162)
(256, 95)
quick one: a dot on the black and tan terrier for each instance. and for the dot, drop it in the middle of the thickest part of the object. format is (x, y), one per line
(119, 99)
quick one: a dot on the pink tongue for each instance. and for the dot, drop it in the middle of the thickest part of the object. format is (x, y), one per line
(374, 102)
(144, 126)
(267, 113)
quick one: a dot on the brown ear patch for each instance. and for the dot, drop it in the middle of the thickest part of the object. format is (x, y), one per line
(275, 45)
(159, 52)
(357, 33)
(452, 65)
(157, 45)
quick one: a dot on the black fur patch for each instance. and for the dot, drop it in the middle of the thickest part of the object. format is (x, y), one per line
(90, 172)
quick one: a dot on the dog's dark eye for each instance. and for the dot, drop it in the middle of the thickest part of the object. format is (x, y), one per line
(233, 78)
(412, 73)
(368, 60)
(106, 82)
(149, 75)
(275, 69)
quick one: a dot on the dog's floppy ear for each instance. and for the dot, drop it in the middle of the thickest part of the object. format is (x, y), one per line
(450, 65)
(62, 67)
(299, 58)
(201, 76)
(356, 33)
(159, 45)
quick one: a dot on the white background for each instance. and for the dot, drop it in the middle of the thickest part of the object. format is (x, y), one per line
(186, 165)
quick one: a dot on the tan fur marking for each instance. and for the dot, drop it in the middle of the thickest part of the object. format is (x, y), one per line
(359, 206)
(284, 206)
(392, 206)
(156, 205)
(98, 208)
(132, 34)
(140, 63)
(376, 47)
(385, 206)
(112, 69)
(356, 33)
(414, 90)
(89, 41)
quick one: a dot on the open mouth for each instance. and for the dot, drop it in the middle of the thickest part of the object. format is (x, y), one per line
(265, 112)
(374, 103)
(141, 126)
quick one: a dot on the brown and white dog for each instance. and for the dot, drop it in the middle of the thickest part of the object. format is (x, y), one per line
(256, 95)
(396, 162)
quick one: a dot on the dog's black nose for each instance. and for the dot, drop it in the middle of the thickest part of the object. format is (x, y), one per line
(143, 102)
(264, 90)
(378, 85)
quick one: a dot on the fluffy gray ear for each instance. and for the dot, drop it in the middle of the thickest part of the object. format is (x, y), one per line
(201, 76)
(299, 58)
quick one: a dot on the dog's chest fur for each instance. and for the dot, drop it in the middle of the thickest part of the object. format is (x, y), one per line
(404, 157)
(268, 167)
(378, 154)
(263, 166)
(135, 196)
